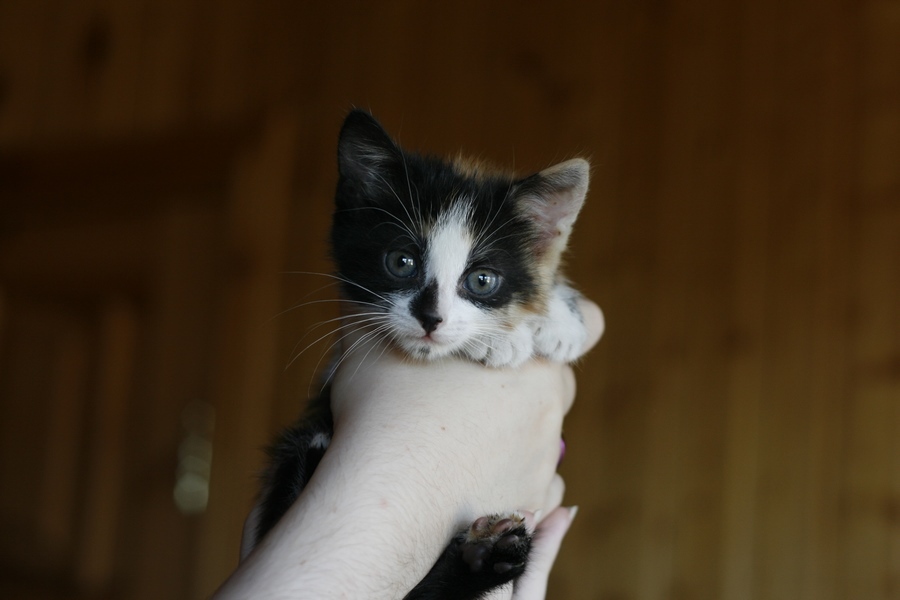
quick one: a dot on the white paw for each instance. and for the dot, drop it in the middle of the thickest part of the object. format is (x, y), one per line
(561, 334)
(477, 351)
(511, 349)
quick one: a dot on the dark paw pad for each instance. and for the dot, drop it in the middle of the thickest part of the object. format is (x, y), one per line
(497, 543)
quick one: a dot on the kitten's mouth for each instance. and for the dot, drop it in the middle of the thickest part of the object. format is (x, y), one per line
(427, 346)
(427, 341)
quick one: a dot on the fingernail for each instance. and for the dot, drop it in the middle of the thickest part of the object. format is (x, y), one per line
(573, 510)
(538, 514)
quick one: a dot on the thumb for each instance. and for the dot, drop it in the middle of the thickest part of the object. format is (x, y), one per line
(548, 537)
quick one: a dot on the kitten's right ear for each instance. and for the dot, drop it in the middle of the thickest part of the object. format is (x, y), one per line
(366, 153)
(552, 199)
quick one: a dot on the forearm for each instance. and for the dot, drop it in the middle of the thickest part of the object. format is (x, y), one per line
(369, 525)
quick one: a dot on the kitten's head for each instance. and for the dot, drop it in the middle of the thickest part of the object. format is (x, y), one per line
(445, 256)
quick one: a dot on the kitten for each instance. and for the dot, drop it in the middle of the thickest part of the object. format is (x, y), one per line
(455, 260)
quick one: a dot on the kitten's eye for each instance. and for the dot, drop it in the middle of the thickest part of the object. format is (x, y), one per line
(401, 264)
(482, 282)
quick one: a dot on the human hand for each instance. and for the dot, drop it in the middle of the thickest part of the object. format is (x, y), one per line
(549, 534)
(477, 440)
(406, 468)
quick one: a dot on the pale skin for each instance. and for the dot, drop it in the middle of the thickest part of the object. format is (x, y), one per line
(407, 469)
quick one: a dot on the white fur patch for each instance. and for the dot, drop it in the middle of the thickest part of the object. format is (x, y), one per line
(449, 246)
(560, 335)
(320, 440)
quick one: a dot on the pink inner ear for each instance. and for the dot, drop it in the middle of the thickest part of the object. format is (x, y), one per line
(555, 207)
(555, 214)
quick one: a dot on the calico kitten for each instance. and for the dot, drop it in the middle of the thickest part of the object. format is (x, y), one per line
(454, 260)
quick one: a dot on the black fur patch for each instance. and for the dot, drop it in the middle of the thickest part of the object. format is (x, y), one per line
(424, 307)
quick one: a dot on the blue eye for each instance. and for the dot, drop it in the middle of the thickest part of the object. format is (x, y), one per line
(400, 263)
(482, 282)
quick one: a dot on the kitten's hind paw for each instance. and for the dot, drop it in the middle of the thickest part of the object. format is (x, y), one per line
(497, 544)
(490, 553)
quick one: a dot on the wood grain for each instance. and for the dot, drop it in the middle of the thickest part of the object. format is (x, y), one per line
(735, 435)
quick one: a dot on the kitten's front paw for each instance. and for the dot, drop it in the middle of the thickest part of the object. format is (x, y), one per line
(511, 349)
(561, 334)
(560, 346)
(498, 545)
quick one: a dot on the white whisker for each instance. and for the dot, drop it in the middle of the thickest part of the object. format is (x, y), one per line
(399, 201)
(343, 279)
(372, 319)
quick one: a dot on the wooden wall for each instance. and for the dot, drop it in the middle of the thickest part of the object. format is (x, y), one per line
(737, 432)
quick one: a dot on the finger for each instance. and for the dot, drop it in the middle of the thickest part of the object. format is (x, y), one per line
(532, 585)
(593, 322)
(569, 387)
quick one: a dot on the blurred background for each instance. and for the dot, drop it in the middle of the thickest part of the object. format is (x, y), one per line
(166, 170)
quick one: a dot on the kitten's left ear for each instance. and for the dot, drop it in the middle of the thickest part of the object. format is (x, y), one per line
(366, 157)
(553, 198)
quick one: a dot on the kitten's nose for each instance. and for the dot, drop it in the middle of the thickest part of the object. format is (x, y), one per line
(424, 308)
(430, 321)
